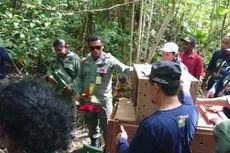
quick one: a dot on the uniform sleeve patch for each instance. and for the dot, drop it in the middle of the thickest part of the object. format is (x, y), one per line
(85, 62)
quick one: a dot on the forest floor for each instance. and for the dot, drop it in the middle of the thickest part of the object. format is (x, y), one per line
(80, 132)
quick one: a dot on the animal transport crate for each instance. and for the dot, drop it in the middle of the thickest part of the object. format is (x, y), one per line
(124, 114)
(141, 91)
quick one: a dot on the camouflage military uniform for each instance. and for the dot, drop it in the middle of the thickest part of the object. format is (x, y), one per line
(66, 70)
(99, 73)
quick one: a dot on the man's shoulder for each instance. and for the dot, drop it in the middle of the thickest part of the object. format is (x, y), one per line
(217, 53)
(155, 119)
(87, 57)
(106, 55)
(195, 54)
(73, 55)
(181, 53)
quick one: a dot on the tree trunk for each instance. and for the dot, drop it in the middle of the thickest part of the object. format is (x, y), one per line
(161, 30)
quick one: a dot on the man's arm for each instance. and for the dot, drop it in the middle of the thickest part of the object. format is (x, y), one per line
(222, 101)
(199, 68)
(78, 82)
(186, 97)
(214, 91)
(77, 65)
(120, 67)
(143, 142)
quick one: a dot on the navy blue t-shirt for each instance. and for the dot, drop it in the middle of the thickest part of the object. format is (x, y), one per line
(217, 65)
(3, 57)
(223, 85)
(169, 131)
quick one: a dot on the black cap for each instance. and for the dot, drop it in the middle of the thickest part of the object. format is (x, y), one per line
(190, 39)
(165, 72)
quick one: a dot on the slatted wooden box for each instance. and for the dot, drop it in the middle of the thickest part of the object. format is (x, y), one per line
(123, 114)
(142, 96)
(204, 139)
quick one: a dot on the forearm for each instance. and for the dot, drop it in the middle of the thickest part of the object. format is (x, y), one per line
(199, 69)
(222, 101)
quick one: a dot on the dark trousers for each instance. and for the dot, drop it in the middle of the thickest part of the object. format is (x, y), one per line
(97, 123)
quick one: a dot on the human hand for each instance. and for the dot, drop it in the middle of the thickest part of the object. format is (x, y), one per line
(76, 97)
(215, 108)
(67, 90)
(123, 133)
(51, 79)
(216, 121)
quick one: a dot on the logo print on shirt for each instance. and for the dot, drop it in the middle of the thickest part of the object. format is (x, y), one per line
(181, 120)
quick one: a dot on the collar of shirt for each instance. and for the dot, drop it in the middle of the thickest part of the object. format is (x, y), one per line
(192, 55)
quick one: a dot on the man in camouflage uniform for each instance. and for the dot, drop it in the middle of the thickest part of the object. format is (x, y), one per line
(62, 71)
(96, 69)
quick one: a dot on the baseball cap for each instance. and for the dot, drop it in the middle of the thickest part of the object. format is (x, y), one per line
(190, 39)
(165, 72)
(170, 47)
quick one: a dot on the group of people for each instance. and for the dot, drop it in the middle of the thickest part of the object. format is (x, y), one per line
(34, 120)
(170, 129)
(76, 78)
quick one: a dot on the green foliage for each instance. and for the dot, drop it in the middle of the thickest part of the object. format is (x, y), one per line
(221, 10)
(28, 28)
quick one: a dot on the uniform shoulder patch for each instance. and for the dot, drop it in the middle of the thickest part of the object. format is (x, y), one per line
(85, 61)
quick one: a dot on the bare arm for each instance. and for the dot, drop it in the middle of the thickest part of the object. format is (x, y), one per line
(222, 101)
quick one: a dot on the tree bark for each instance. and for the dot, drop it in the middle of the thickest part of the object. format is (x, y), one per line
(161, 30)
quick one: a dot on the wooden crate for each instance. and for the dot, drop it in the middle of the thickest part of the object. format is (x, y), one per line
(142, 96)
(204, 139)
(124, 114)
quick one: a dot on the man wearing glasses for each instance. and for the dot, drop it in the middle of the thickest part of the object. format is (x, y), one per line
(96, 70)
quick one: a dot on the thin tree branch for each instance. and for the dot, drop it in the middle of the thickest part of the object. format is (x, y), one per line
(140, 32)
(131, 37)
(80, 11)
(161, 30)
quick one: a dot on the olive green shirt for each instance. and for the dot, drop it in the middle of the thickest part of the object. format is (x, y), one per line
(99, 73)
(222, 133)
(65, 68)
